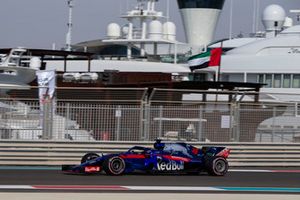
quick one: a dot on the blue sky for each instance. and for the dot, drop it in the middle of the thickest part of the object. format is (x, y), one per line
(40, 23)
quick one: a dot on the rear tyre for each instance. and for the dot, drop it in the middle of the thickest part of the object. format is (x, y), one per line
(89, 156)
(114, 166)
(217, 166)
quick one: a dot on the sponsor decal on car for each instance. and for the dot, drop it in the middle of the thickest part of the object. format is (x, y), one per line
(170, 166)
(90, 169)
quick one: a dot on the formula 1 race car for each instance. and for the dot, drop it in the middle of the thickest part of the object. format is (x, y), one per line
(171, 157)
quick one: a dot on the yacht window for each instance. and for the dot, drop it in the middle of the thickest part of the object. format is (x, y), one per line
(277, 81)
(224, 77)
(268, 80)
(252, 78)
(116, 51)
(200, 77)
(261, 78)
(215, 4)
(236, 78)
(296, 81)
(286, 80)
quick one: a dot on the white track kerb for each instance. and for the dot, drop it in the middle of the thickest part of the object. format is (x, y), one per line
(148, 188)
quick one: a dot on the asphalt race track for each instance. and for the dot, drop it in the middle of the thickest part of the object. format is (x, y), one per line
(14, 180)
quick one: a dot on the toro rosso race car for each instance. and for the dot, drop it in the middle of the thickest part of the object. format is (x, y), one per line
(176, 157)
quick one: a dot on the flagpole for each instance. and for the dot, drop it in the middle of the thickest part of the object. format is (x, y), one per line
(219, 68)
(230, 19)
(219, 71)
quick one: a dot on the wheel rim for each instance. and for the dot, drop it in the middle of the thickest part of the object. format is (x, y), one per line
(220, 166)
(117, 165)
(91, 157)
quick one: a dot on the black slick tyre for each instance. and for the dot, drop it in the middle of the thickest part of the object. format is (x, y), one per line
(114, 166)
(89, 156)
(217, 166)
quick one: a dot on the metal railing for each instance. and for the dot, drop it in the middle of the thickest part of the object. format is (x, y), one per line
(122, 114)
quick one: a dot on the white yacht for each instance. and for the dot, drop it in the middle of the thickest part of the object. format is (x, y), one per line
(147, 42)
(272, 60)
(16, 68)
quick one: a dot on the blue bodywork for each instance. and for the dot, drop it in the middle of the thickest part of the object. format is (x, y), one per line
(164, 157)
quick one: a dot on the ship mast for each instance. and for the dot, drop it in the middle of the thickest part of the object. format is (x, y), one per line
(143, 15)
(145, 30)
(70, 26)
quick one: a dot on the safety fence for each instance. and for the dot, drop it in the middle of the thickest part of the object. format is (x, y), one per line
(122, 114)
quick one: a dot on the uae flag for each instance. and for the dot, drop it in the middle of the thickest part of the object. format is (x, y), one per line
(210, 58)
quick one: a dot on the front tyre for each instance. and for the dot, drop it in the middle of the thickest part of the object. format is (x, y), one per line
(217, 166)
(89, 156)
(114, 166)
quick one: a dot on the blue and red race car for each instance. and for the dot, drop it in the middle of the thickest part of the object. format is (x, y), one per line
(170, 157)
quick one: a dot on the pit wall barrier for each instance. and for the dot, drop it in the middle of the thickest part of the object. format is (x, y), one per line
(56, 153)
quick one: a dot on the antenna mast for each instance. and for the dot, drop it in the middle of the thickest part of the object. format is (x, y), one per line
(254, 16)
(70, 26)
(230, 19)
(168, 10)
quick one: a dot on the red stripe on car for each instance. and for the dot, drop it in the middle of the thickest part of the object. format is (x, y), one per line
(176, 158)
(132, 156)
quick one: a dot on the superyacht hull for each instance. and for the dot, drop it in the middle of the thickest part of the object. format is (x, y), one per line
(122, 66)
(16, 76)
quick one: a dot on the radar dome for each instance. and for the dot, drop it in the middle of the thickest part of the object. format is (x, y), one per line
(288, 22)
(169, 30)
(273, 17)
(155, 30)
(113, 31)
(35, 63)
